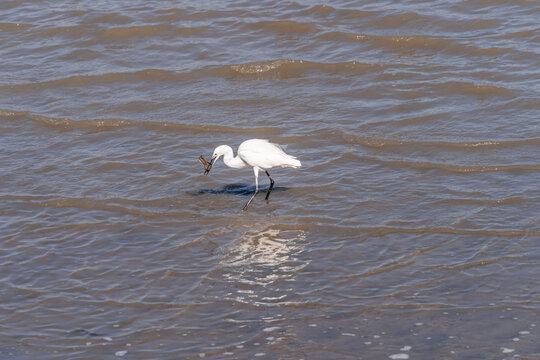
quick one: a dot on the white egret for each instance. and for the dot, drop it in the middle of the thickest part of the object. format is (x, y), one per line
(256, 153)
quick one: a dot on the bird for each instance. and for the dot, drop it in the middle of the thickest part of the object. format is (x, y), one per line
(260, 154)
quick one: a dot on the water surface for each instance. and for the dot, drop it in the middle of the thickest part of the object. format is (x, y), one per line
(411, 230)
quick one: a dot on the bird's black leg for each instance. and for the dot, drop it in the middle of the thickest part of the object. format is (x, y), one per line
(250, 199)
(271, 185)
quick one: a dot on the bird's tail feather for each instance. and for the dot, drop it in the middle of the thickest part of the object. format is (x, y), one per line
(293, 161)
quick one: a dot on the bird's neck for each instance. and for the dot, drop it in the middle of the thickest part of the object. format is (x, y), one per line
(231, 161)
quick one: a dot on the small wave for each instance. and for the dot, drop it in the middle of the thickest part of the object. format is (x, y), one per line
(325, 11)
(111, 18)
(481, 90)
(462, 169)
(511, 200)
(411, 43)
(77, 31)
(172, 15)
(117, 205)
(468, 265)
(273, 69)
(498, 3)
(287, 68)
(12, 27)
(319, 10)
(429, 23)
(82, 54)
(392, 20)
(388, 20)
(119, 165)
(350, 158)
(384, 230)
(517, 34)
(146, 75)
(98, 79)
(284, 27)
(108, 124)
(122, 33)
(370, 141)
(380, 143)
(260, 67)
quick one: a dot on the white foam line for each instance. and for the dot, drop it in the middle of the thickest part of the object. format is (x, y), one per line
(401, 356)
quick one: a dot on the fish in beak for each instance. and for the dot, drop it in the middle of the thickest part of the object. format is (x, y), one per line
(207, 165)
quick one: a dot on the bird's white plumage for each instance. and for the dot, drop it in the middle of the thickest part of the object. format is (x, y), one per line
(259, 154)
(265, 155)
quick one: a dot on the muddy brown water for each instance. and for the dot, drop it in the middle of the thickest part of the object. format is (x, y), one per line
(411, 231)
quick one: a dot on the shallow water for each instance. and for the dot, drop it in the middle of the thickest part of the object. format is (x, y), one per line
(411, 230)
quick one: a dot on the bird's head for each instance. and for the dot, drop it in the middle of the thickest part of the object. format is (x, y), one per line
(219, 151)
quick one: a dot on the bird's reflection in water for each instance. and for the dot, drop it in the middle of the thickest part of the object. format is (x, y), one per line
(237, 189)
(263, 265)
